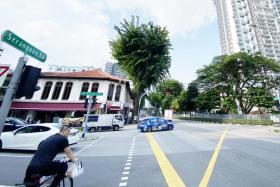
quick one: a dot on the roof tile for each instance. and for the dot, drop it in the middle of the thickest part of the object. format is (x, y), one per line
(97, 73)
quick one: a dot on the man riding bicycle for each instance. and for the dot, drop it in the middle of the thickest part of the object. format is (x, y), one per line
(42, 162)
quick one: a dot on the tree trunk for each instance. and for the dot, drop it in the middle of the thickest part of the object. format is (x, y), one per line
(136, 107)
(238, 104)
(237, 100)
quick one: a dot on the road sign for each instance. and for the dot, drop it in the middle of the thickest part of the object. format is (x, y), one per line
(3, 73)
(20, 44)
(92, 93)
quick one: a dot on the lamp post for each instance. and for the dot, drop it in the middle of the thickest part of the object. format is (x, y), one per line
(138, 112)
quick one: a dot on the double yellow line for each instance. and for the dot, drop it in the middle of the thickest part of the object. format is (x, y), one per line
(207, 175)
(171, 176)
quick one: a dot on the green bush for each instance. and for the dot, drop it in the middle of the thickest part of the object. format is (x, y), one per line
(233, 121)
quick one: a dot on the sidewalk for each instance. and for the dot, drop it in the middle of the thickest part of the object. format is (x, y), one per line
(276, 128)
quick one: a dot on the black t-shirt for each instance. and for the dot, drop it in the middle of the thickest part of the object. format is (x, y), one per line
(49, 149)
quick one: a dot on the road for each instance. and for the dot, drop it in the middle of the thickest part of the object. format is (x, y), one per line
(193, 154)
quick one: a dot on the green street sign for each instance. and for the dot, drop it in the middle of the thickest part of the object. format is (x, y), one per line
(276, 98)
(18, 43)
(92, 93)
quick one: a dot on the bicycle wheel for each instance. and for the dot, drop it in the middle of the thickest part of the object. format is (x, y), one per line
(67, 182)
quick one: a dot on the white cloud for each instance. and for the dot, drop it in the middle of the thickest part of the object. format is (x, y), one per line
(180, 16)
(70, 32)
(76, 32)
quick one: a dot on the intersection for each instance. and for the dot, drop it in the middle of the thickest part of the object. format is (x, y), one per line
(248, 156)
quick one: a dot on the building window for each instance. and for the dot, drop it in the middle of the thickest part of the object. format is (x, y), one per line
(46, 90)
(94, 87)
(67, 91)
(110, 92)
(84, 89)
(57, 90)
(118, 93)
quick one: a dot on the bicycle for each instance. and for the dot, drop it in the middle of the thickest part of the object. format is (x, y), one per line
(38, 180)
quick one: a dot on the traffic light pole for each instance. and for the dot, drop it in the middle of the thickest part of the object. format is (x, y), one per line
(86, 119)
(7, 101)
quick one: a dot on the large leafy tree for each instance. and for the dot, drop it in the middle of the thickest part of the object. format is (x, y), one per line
(142, 51)
(171, 87)
(166, 94)
(238, 75)
(182, 101)
(192, 93)
(155, 99)
(208, 100)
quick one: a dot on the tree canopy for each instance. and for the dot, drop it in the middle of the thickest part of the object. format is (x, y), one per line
(166, 94)
(242, 77)
(143, 52)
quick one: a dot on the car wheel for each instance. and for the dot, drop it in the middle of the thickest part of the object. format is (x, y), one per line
(169, 127)
(116, 127)
(40, 144)
(149, 129)
(92, 129)
(0, 145)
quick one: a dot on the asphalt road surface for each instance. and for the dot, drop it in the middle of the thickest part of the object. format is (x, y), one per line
(193, 154)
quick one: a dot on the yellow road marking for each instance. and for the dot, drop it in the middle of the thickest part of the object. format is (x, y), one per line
(207, 175)
(170, 174)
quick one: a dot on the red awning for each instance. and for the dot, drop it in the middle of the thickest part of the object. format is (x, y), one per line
(36, 106)
(114, 106)
(115, 109)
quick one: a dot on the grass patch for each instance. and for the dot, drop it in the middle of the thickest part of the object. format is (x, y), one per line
(265, 122)
(276, 130)
(79, 129)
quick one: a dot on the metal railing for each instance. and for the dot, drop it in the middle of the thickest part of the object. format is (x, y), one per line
(273, 117)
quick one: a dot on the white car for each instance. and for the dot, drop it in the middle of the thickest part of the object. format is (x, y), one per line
(29, 137)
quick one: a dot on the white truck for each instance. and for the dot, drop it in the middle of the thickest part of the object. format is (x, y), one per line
(105, 121)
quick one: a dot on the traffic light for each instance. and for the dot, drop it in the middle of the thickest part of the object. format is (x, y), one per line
(93, 102)
(86, 103)
(28, 83)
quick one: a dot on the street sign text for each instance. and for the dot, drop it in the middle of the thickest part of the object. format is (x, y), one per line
(20, 44)
(92, 93)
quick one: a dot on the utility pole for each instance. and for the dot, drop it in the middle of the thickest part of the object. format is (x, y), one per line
(11, 89)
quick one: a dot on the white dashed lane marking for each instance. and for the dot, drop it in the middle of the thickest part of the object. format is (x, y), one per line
(125, 173)
(123, 184)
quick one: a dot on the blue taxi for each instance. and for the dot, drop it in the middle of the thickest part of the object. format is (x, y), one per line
(150, 124)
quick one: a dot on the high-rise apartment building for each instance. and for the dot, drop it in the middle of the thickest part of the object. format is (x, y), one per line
(114, 69)
(249, 26)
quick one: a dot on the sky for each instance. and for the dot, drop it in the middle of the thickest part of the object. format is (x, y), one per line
(77, 32)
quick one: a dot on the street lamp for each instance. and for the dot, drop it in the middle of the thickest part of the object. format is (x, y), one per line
(142, 95)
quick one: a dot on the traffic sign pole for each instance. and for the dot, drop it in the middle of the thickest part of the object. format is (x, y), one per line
(86, 119)
(7, 101)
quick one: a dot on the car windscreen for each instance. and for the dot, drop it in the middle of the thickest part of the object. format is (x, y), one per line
(9, 128)
(118, 117)
(20, 121)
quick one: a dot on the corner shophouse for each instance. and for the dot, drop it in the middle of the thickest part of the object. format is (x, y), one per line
(60, 96)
